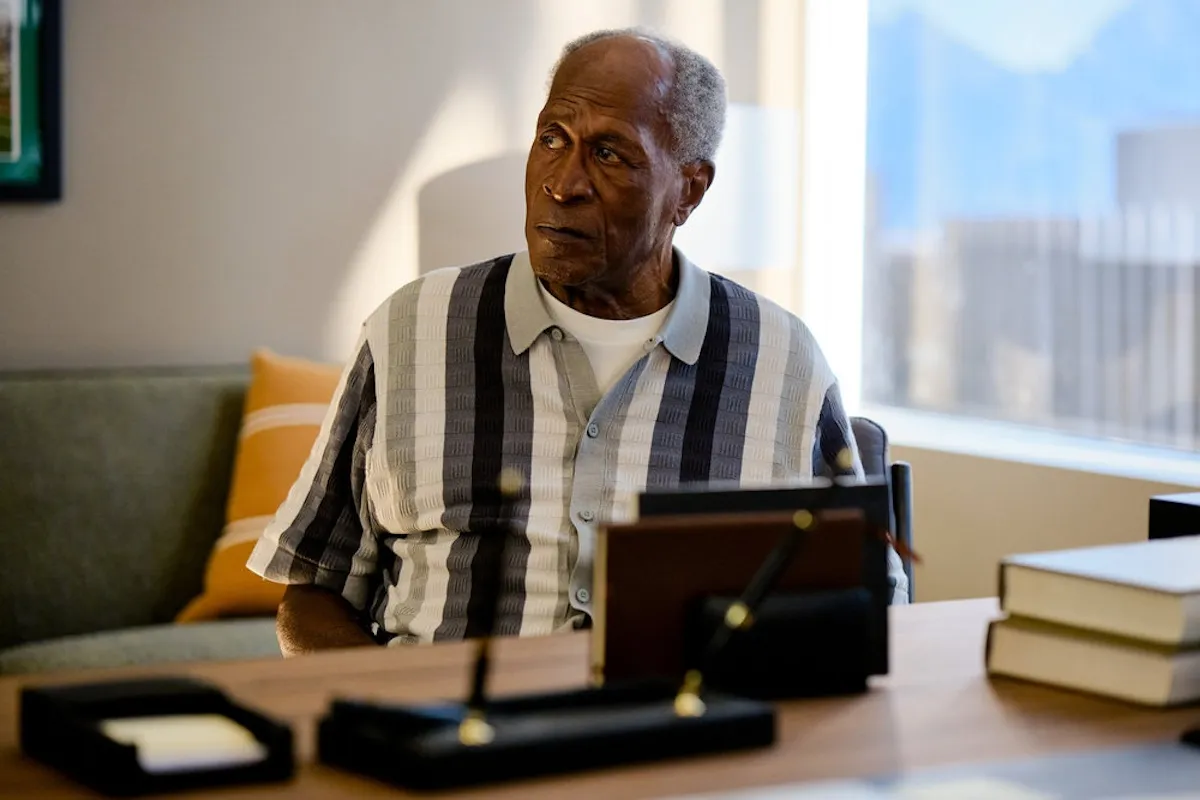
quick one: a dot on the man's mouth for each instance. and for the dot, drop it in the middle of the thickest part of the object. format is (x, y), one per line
(561, 233)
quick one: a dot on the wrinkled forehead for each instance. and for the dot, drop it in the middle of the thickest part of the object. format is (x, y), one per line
(625, 77)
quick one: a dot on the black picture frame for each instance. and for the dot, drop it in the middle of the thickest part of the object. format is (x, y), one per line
(35, 175)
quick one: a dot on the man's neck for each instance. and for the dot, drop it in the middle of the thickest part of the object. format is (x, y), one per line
(652, 288)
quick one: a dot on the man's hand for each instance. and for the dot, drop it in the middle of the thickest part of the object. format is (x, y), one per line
(311, 618)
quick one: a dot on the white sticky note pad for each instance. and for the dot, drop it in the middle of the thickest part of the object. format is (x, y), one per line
(186, 742)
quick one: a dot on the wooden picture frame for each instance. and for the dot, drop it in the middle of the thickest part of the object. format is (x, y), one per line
(30, 100)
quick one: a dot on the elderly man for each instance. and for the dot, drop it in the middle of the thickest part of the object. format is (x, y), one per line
(598, 362)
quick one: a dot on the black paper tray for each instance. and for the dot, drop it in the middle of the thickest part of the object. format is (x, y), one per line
(417, 747)
(59, 726)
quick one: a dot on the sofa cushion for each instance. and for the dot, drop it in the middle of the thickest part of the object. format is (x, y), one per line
(224, 640)
(112, 491)
(286, 402)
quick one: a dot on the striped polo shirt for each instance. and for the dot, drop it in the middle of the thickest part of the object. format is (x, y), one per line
(462, 374)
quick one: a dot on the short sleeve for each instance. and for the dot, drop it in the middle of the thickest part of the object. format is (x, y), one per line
(835, 452)
(322, 534)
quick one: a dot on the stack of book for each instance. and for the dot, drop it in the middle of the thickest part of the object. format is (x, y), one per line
(1116, 620)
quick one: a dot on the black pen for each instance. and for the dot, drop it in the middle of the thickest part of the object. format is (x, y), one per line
(740, 613)
(474, 729)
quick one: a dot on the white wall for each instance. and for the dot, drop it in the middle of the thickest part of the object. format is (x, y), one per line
(249, 173)
(970, 511)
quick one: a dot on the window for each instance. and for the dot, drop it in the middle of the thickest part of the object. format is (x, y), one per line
(1032, 214)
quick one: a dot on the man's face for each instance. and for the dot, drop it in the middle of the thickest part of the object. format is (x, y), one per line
(601, 186)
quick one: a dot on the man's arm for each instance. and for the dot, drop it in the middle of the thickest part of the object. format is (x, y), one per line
(321, 542)
(311, 619)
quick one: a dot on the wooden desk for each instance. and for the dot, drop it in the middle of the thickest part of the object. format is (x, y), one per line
(935, 708)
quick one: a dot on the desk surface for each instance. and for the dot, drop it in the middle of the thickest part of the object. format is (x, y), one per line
(935, 708)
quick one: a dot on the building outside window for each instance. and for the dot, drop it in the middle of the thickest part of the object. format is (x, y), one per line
(1032, 214)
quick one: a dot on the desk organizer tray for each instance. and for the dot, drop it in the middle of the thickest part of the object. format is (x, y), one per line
(418, 747)
(64, 727)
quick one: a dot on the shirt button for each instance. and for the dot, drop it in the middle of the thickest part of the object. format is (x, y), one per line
(583, 595)
(649, 345)
(593, 430)
(556, 334)
(587, 515)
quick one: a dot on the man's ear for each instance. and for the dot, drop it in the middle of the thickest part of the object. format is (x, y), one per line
(697, 177)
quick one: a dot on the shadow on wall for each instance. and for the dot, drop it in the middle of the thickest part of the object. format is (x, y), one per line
(218, 200)
(472, 213)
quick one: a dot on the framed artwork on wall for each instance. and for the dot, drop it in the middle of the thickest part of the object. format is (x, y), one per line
(30, 100)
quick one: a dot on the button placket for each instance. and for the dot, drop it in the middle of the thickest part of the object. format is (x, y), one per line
(586, 498)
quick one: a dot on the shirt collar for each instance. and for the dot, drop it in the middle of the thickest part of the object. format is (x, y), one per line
(682, 332)
(524, 313)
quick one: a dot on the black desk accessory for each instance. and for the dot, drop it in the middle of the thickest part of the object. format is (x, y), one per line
(739, 615)
(1191, 737)
(813, 644)
(61, 726)
(775, 634)
(480, 741)
(872, 496)
(1174, 515)
(901, 488)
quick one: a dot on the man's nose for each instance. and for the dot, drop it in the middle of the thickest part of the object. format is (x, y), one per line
(568, 182)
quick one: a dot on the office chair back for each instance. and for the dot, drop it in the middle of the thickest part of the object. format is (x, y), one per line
(872, 443)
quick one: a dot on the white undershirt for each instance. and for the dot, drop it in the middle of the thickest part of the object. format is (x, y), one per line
(612, 345)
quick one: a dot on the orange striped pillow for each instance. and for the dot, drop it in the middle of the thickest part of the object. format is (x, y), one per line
(285, 404)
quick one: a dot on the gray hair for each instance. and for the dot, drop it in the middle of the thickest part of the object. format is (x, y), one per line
(696, 101)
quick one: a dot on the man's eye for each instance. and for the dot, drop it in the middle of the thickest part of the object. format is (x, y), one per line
(607, 156)
(552, 141)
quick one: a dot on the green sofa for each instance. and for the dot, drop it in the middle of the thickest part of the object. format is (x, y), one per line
(112, 491)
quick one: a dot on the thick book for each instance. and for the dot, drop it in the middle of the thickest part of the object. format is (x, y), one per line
(1147, 590)
(1095, 663)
